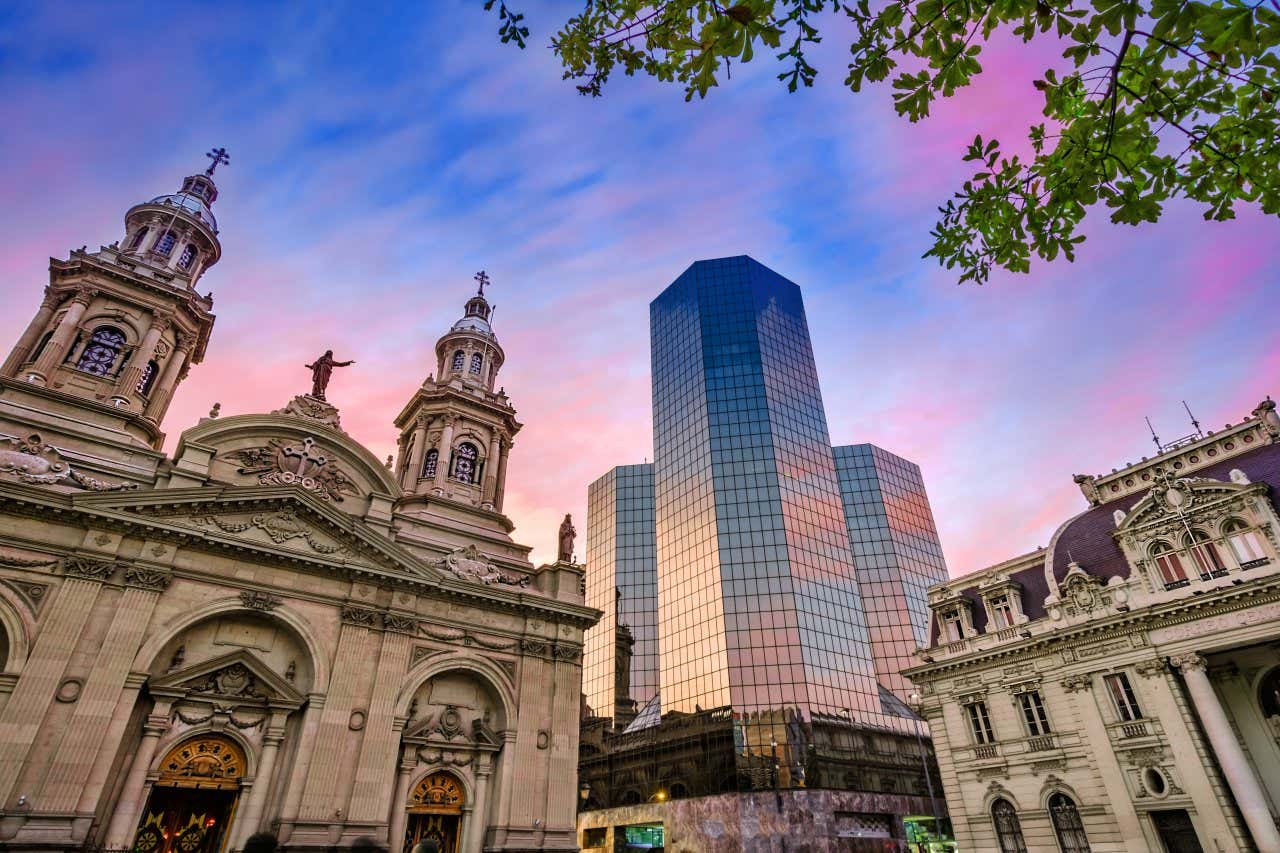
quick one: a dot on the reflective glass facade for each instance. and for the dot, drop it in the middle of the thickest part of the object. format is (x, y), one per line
(896, 548)
(757, 592)
(622, 582)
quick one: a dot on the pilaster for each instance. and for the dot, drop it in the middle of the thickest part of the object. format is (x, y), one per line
(382, 740)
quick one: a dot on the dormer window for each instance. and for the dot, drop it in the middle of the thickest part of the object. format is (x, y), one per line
(1169, 564)
(1204, 554)
(1002, 611)
(1245, 543)
(952, 626)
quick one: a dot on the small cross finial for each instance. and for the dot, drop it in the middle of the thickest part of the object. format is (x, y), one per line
(219, 157)
(483, 278)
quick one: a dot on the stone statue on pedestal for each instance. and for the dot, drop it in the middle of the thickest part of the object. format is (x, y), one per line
(567, 535)
(322, 372)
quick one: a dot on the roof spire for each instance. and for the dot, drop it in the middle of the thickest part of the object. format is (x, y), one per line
(1195, 423)
(1154, 437)
(219, 157)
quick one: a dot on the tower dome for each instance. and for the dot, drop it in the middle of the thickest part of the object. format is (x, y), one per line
(469, 351)
(178, 231)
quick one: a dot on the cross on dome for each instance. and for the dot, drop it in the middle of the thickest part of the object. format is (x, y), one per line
(219, 157)
(483, 278)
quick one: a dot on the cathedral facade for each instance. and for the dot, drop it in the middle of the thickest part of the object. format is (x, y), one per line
(269, 630)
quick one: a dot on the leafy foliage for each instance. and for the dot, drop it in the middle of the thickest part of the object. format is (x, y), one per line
(1157, 99)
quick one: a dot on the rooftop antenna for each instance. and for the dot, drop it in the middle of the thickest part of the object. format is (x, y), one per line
(1195, 423)
(1154, 437)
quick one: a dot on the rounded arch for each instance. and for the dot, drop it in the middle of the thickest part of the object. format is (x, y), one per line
(1051, 552)
(1266, 689)
(153, 645)
(468, 789)
(15, 624)
(1159, 547)
(172, 740)
(1054, 786)
(107, 315)
(999, 792)
(440, 664)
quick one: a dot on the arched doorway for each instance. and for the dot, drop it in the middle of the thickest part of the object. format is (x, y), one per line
(435, 812)
(193, 802)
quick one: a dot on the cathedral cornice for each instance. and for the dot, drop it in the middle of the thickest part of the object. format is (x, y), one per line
(135, 419)
(458, 400)
(401, 569)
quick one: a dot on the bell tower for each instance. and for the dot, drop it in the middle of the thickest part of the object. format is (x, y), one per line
(456, 431)
(117, 331)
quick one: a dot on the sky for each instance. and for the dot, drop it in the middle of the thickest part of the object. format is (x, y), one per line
(383, 153)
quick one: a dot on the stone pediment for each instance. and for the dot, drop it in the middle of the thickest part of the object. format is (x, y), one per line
(239, 677)
(288, 524)
(1179, 499)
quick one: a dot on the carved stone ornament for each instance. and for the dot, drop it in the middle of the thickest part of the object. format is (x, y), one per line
(534, 647)
(360, 616)
(568, 653)
(1149, 668)
(400, 623)
(312, 409)
(303, 464)
(152, 579)
(1188, 661)
(235, 681)
(85, 567)
(31, 460)
(1082, 592)
(280, 527)
(255, 600)
(469, 564)
(1072, 683)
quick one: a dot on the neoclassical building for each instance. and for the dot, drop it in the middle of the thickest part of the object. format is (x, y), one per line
(1119, 690)
(270, 629)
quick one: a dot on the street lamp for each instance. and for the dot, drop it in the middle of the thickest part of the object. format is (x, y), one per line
(917, 705)
(584, 793)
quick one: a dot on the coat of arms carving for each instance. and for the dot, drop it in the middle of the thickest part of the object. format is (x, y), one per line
(302, 463)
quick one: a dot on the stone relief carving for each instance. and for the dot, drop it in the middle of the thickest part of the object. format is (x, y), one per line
(400, 623)
(360, 616)
(152, 579)
(312, 409)
(234, 681)
(1072, 683)
(303, 464)
(31, 460)
(33, 593)
(85, 567)
(1149, 668)
(260, 600)
(469, 564)
(280, 527)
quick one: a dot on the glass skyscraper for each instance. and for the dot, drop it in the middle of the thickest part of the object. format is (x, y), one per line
(897, 552)
(782, 579)
(623, 583)
(757, 595)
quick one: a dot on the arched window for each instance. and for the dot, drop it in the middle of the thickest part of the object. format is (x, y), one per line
(44, 342)
(1008, 827)
(1245, 543)
(465, 463)
(459, 361)
(188, 255)
(139, 236)
(429, 464)
(1169, 565)
(1067, 824)
(1205, 554)
(477, 363)
(148, 378)
(102, 351)
(165, 244)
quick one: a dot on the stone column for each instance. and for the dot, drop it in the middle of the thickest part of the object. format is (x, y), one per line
(56, 350)
(474, 836)
(491, 467)
(75, 754)
(22, 349)
(59, 635)
(163, 389)
(125, 817)
(501, 488)
(399, 809)
(446, 451)
(1235, 764)
(381, 739)
(144, 353)
(248, 821)
(416, 455)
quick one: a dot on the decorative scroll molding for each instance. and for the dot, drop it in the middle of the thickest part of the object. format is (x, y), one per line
(255, 600)
(32, 460)
(86, 567)
(1150, 668)
(400, 623)
(302, 464)
(1188, 662)
(538, 648)
(1074, 683)
(150, 579)
(469, 564)
(444, 634)
(360, 616)
(566, 653)
(280, 527)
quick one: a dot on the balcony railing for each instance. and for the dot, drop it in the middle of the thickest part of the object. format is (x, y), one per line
(986, 750)
(1133, 729)
(1040, 743)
